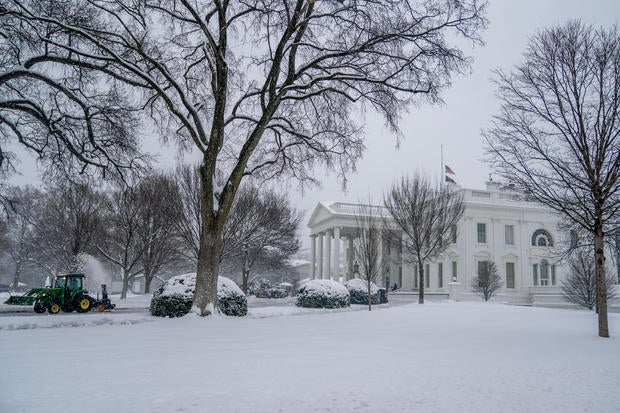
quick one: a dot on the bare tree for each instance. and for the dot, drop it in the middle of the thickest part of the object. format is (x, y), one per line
(558, 132)
(264, 88)
(368, 231)
(580, 286)
(122, 246)
(156, 231)
(66, 222)
(261, 232)
(487, 280)
(65, 115)
(426, 217)
(190, 223)
(19, 235)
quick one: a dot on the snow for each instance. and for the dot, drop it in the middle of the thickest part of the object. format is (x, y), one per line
(185, 284)
(361, 285)
(437, 357)
(327, 288)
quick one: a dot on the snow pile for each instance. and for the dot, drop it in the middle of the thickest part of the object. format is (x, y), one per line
(358, 290)
(174, 297)
(323, 294)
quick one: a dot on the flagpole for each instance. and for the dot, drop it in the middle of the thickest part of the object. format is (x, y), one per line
(442, 168)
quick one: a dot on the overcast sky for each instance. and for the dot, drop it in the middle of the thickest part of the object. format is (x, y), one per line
(469, 105)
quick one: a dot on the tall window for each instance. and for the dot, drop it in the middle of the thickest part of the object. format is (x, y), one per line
(415, 277)
(509, 234)
(544, 273)
(535, 274)
(454, 271)
(440, 275)
(400, 277)
(483, 267)
(482, 233)
(553, 274)
(427, 279)
(453, 232)
(510, 275)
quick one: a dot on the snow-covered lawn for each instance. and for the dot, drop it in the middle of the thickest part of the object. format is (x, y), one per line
(440, 357)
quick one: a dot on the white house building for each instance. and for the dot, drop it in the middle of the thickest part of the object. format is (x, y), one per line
(498, 225)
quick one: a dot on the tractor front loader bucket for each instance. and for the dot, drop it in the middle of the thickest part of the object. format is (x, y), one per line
(29, 298)
(20, 300)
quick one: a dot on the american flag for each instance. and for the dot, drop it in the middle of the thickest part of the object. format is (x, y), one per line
(449, 170)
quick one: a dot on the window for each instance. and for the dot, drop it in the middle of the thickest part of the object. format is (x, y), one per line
(415, 277)
(400, 277)
(427, 279)
(454, 271)
(482, 267)
(509, 234)
(544, 273)
(553, 274)
(440, 275)
(453, 233)
(535, 274)
(542, 238)
(510, 275)
(482, 233)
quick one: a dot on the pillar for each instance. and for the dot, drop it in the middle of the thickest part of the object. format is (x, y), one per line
(350, 258)
(328, 256)
(320, 266)
(313, 255)
(336, 272)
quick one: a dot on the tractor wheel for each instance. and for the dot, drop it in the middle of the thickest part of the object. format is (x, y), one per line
(54, 308)
(82, 304)
(39, 308)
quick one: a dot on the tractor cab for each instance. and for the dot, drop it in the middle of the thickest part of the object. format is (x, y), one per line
(70, 282)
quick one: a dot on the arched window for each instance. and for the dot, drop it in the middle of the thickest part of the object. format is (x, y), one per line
(542, 238)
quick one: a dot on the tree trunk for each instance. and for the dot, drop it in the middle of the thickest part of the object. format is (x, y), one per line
(601, 287)
(369, 297)
(245, 273)
(125, 284)
(147, 283)
(18, 271)
(205, 297)
(421, 272)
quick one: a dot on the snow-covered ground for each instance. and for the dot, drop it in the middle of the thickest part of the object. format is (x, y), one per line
(439, 357)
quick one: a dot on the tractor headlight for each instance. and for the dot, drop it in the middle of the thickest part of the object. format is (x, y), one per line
(43, 295)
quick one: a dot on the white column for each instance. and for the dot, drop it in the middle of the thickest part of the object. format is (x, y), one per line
(328, 255)
(336, 273)
(381, 277)
(313, 255)
(321, 235)
(350, 257)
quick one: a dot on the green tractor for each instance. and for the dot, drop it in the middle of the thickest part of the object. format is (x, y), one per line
(67, 294)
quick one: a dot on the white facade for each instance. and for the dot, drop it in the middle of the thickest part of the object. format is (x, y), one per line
(498, 225)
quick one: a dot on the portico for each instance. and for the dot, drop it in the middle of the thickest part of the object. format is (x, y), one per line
(333, 231)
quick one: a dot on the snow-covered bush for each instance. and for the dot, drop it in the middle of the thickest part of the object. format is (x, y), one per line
(263, 289)
(323, 294)
(174, 297)
(358, 290)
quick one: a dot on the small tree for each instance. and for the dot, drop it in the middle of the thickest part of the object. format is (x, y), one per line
(488, 280)
(580, 286)
(261, 232)
(368, 222)
(426, 218)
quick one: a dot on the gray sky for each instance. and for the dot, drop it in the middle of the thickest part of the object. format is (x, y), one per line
(469, 105)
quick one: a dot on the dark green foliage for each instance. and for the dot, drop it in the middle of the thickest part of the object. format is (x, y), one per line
(263, 289)
(318, 298)
(166, 304)
(361, 297)
(170, 305)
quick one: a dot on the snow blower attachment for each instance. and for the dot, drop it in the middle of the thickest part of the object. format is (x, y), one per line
(67, 294)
